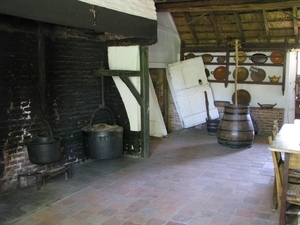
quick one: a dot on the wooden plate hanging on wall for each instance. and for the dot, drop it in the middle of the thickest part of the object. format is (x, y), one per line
(243, 97)
(242, 73)
(259, 76)
(242, 56)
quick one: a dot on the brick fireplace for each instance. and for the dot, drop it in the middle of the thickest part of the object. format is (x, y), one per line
(63, 97)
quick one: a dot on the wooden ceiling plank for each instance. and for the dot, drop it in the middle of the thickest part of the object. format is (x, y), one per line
(192, 7)
(215, 26)
(295, 22)
(266, 25)
(239, 26)
(192, 29)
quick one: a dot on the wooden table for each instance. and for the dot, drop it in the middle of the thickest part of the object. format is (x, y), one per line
(286, 141)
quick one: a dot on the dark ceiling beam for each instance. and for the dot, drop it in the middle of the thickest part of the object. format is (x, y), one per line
(189, 3)
(215, 26)
(230, 5)
(76, 14)
(295, 22)
(192, 29)
(11, 23)
(266, 25)
(239, 26)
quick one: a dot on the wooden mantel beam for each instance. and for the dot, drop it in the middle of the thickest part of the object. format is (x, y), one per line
(230, 5)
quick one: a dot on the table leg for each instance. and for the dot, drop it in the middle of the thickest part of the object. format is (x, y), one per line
(284, 189)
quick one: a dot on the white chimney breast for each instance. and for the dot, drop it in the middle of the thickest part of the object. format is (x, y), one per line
(141, 8)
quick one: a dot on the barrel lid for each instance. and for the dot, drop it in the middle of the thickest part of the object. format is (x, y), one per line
(101, 127)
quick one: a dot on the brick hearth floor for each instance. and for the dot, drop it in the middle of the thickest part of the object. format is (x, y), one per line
(189, 179)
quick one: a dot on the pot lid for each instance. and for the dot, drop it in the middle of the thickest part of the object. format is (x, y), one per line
(243, 97)
(277, 57)
(259, 76)
(242, 73)
(242, 56)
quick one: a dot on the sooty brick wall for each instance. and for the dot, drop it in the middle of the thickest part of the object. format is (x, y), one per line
(18, 101)
(72, 94)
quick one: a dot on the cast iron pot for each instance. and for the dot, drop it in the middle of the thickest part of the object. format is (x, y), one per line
(259, 58)
(44, 150)
(266, 106)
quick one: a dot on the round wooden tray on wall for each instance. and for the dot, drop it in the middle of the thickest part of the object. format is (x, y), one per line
(242, 57)
(243, 97)
(242, 73)
(259, 76)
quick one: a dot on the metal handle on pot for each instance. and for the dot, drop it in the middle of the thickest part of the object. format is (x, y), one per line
(102, 107)
(254, 69)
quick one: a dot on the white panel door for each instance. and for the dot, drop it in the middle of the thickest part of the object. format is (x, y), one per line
(188, 82)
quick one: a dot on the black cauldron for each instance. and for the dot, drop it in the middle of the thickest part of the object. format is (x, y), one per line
(44, 150)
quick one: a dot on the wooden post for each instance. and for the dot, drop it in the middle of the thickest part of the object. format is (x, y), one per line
(145, 123)
(236, 70)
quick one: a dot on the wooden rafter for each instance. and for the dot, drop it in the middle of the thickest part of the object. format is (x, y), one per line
(231, 5)
(197, 18)
(266, 25)
(215, 26)
(192, 29)
(295, 23)
(239, 26)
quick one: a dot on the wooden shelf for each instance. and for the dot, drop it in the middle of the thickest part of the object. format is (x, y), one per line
(245, 82)
(245, 64)
(228, 51)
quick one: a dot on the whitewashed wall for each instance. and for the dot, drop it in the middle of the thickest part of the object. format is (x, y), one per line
(167, 48)
(142, 8)
(128, 58)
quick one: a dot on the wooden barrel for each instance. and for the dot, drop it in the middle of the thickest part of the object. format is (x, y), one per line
(236, 129)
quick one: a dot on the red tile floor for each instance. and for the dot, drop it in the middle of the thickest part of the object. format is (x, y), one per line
(189, 179)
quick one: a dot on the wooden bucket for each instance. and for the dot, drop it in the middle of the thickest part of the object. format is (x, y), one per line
(212, 126)
(236, 129)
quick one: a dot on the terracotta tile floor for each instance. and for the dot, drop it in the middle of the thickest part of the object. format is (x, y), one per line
(189, 179)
